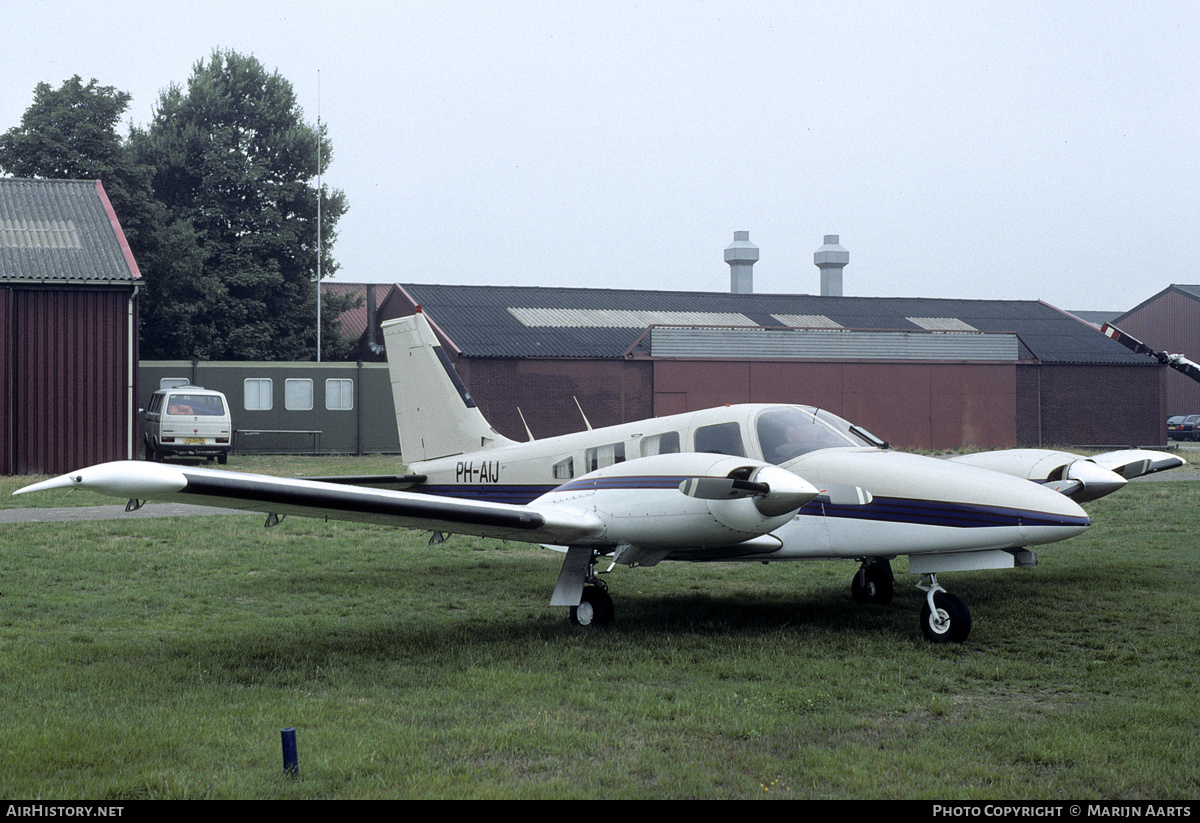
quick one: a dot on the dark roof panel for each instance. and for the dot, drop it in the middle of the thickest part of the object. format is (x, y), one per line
(523, 321)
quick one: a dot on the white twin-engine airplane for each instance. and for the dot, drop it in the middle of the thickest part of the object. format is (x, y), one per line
(756, 482)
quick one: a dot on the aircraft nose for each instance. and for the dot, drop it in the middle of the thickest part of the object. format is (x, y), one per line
(1054, 517)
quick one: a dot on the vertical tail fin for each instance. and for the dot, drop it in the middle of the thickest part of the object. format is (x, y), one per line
(435, 414)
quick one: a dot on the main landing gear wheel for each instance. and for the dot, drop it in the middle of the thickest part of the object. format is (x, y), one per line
(595, 609)
(873, 583)
(944, 617)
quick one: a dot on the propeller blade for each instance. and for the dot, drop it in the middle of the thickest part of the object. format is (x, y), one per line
(722, 488)
(1175, 361)
(844, 496)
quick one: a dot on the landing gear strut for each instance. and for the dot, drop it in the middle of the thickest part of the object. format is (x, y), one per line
(580, 588)
(944, 617)
(873, 583)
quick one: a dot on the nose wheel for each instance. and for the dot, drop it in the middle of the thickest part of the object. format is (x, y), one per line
(944, 617)
(594, 609)
(873, 583)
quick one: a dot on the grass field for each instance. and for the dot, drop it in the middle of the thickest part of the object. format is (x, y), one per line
(160, 659)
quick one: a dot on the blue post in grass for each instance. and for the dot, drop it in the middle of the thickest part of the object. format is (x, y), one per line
(291, 762)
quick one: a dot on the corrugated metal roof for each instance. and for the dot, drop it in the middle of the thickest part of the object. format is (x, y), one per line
(833, 344)
(61, 230)
(479, 321)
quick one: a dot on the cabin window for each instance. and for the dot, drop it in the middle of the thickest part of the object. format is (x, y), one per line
(723, 438)
(339, 394)
(564, 469)
(173, 382)
(256, 393)
(602, 456)
(298, 394)
(665, 443)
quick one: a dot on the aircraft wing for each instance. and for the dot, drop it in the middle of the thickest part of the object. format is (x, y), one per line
(1131, 463)
(665, 501)
(1078, 477)
(138, 481)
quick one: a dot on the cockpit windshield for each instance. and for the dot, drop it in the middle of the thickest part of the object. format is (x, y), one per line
(787, 432)
(861, 435)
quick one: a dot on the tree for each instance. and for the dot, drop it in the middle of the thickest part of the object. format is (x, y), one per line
(70, 133)
(230, 272)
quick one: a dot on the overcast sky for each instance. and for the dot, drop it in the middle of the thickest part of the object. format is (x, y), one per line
(1000, 150)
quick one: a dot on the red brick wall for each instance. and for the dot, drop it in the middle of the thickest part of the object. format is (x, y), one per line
(1079, 405)
(911, 405)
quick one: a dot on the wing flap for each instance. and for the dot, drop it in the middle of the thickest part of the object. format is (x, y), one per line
(395, 482)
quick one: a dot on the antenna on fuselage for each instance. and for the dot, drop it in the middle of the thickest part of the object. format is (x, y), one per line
(526, 425)
(581, 414)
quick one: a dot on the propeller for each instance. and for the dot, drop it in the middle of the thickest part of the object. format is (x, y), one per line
(1084, 480)
(775, 491)
(1175, 361)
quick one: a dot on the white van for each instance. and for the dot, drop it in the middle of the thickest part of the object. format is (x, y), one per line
(190, 421)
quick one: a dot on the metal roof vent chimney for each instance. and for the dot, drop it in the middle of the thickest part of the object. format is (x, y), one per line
(741, 255)
(831, 259)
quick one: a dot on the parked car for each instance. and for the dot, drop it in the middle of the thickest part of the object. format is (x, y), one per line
(1189, 428)
(1174, 426)
(190, 421)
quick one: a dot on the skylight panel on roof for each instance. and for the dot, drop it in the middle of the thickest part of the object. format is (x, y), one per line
(623, 318)
(807, 321)
(38, 234)
(941, 323)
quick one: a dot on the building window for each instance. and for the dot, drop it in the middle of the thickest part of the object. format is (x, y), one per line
(339, 394)
(257, 392)
(298, 394)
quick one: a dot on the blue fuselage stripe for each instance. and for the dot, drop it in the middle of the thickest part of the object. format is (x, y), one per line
(884, 509)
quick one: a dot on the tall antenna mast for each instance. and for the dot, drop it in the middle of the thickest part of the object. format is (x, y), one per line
(320, 192)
